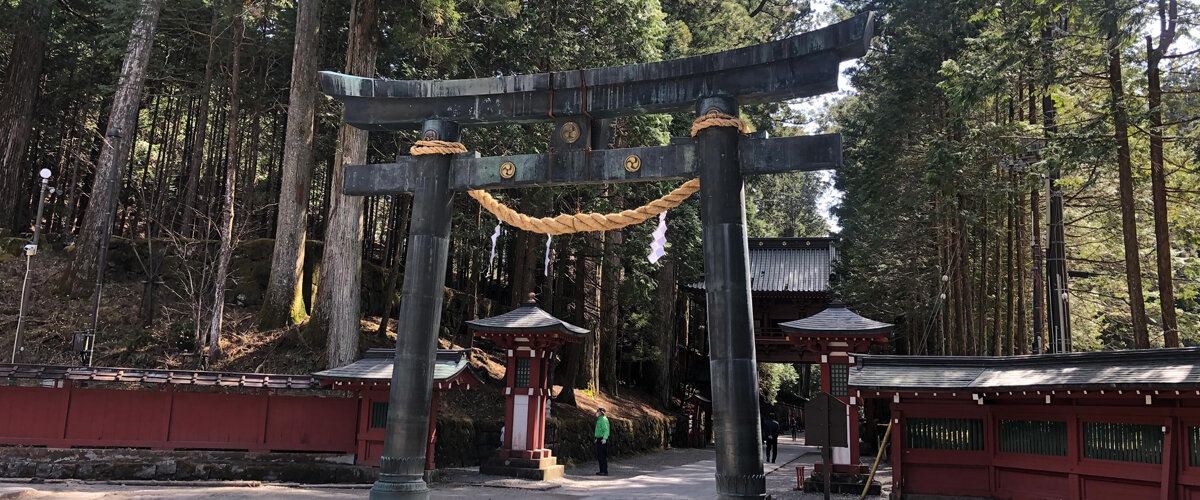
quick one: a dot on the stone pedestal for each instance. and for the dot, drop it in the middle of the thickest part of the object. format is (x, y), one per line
(541, 469)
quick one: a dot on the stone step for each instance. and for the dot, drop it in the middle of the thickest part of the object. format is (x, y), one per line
(536, 474)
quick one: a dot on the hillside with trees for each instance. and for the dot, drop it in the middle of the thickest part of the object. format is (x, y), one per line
(200, 124)
(192, 136)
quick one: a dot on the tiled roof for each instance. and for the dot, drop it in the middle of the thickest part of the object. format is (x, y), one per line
(835, 320)
(377, 366)
(528, 317)
(788, 265)
(1154, 368)
(179, 377)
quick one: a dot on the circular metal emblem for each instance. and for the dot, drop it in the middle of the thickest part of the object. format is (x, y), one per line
(429, 135)
(507, 170)
(569, 132)
(633, 163)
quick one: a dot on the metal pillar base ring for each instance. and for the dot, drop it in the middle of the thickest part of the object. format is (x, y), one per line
(742, 485)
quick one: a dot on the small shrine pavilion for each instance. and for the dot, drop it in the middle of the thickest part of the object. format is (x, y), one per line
(530, 336)
(833, 335)
(371, 377)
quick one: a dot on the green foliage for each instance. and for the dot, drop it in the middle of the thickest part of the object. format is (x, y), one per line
(773, 377)
(953, 90)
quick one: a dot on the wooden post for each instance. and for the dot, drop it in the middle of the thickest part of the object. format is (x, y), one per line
(429, 447)
(897, 452)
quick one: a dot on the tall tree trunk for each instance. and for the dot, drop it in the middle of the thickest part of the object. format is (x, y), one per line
(114, 154)
(610, 307)
(575, 352)
(1162, 232)
(1021, 343)
(16, 106)
(666, 330)
(1120, 118)
(336, 312)
(394, 273)
(963, 279)
(231, 165)
(1039, 284)
(593, 271)
(201, 130)
(284, 303)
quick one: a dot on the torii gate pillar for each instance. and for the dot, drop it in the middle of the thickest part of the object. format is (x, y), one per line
(401, 468)
(730, 317)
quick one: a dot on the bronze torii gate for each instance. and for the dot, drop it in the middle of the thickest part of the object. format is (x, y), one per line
(581, 103)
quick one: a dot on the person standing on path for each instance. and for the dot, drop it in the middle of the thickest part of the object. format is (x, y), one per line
(771, 438)
(602, 441)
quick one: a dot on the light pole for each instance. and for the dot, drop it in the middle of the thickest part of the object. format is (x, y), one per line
(30, 251)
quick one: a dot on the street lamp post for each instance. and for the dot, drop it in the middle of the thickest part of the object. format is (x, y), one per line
(30, 251)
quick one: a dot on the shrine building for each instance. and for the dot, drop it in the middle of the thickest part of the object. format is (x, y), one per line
(830, 337)
(529, 336)
(342, 410)
(1096, 425)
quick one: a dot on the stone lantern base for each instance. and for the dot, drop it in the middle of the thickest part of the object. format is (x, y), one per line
(540, 469)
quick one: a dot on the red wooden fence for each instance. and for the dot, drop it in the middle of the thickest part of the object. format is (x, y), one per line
(168, 419)
(991, 473)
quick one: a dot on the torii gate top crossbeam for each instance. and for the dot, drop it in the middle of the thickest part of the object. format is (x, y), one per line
(800, 66)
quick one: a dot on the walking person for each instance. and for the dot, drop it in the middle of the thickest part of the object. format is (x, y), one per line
(602, 441)
(795, 427)
(771, 438)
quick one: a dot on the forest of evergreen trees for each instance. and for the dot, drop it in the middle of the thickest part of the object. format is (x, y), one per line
(201, 122)
(197, 125)
(964, 111)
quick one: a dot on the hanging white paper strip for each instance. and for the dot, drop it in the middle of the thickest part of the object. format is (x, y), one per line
(659, 247)
(548, 238)
(492, 257)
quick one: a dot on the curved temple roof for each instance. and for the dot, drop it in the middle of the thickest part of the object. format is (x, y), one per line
(527, 318)
(800, 66)
(377, 366)
(836, 320)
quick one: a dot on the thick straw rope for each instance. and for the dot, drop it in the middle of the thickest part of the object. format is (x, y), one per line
(564, 224)
(436, 148)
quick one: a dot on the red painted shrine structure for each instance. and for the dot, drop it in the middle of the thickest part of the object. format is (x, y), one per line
(1104, 425)
(789, 280)
(829, 338)
(335, 411)
(797, 321)
(530, 336)
(371, 378)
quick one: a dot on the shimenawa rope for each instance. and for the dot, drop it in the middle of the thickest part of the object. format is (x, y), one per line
(565, 223)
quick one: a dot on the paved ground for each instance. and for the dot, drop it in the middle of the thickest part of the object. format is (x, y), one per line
(671, 474)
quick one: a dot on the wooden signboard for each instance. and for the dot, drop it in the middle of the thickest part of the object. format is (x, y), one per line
(826, 427)
(825, 419)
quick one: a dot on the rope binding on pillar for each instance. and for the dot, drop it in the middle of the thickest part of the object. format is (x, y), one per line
(715, 118)
(565, 223)
(436, 148)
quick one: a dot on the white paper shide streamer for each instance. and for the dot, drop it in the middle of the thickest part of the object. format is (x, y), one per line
(548, 239)
(659, 247)
(492, 257)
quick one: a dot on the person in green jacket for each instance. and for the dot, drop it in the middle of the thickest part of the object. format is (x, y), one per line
(602, 441)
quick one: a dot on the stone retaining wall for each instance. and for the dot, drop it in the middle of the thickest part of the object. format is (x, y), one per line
(99, 464)
(460, 443)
